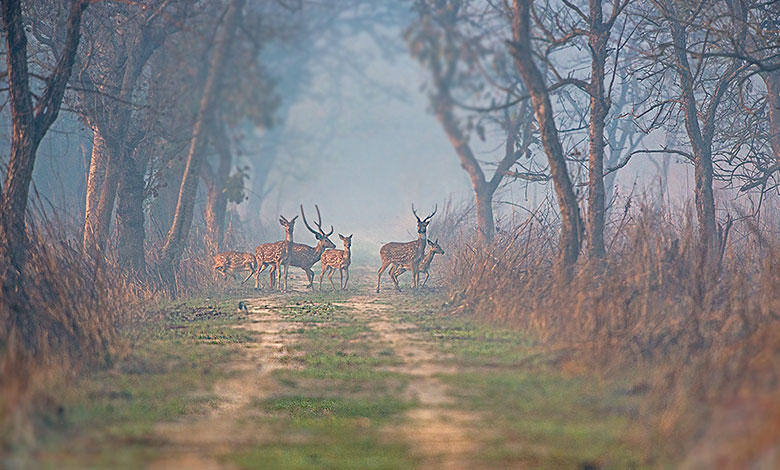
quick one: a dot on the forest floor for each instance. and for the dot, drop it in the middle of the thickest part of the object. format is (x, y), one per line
(333, 380)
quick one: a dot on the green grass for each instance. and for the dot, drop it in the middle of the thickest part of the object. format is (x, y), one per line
(539, 417)
(329, 413)
(104, 419)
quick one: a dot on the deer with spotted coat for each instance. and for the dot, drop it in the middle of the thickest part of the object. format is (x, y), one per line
(276, 254)
(305, 256)
(337, 259)
(406, 253)
(433, 250)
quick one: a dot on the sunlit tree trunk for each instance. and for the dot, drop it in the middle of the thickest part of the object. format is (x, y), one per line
(540, 99)
(111, 126)
(215, 182)
(29, 125)
(182, 219)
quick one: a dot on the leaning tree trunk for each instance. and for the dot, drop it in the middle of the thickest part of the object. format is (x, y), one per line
(540, 99)
(182, 219)
(29, 125)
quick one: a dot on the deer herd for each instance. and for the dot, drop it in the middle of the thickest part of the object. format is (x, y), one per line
(399, 256)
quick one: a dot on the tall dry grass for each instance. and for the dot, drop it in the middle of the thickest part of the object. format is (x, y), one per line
(706, 335)
(75, 307)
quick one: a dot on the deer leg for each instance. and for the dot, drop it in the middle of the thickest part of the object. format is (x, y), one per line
(252, 270)
(286, 268)
(310, 277)
(330, 278)
(260, 269)
(346, 279)
(385, 264)
(324, 268)
(271, 276)
(415, 276)
(427, 275)
(394, 277)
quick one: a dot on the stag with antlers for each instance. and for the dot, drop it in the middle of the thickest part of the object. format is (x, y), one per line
(276, 254)
(406, 253)
(305, 256)
(434, 249)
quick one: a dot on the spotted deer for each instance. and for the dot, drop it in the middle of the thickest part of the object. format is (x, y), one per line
(397, 269)
(276, 254)
(337, 259)
(233, 261)
(406, 253)
(305, 256)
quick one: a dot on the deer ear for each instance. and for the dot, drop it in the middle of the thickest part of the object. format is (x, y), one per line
(282, 221)
(342, 237)
(293, 219)
(431, 243)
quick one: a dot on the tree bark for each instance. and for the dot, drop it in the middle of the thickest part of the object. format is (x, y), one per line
(97, 174)
(29, 125)
(216, 197)
(130, 212)
(534, 82)
(112, 123)
(599, 107)
(182, 219)
(772, 81)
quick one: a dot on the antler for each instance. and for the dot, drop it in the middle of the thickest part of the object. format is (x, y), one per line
(435, 208)
(415, 214)
(319, 224)
(307, 223)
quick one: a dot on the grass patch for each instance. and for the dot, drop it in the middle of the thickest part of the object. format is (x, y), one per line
(105, 419)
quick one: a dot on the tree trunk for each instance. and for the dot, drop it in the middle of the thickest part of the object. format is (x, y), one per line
(540, 99)
(216, 197)
(700, 143)
(97, 174)
(112, 127)
(598, 113)
(483, 198)
(182, 219)
(29, 125)
(772, 81)
(483, 192)
(130, 212)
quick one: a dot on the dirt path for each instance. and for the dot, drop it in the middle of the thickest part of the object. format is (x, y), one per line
(198, 443)
(439, 434)
(436, 432)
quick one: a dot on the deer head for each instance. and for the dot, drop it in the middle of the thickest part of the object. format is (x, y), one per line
(288, 225)
(435, 248)
(347, 241)
(422, 225)
(323, 242)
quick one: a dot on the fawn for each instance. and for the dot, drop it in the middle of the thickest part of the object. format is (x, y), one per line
(398, 269)
(337, 259)
(232, 261)
(406, 253)
(276, 254)
(305, 256)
